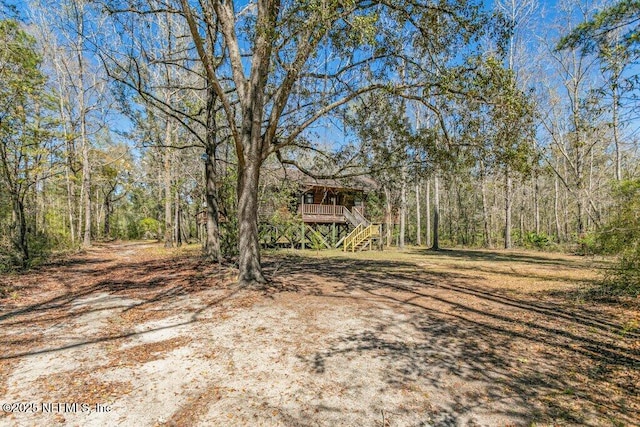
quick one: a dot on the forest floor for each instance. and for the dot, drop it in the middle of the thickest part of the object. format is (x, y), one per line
(136, 335)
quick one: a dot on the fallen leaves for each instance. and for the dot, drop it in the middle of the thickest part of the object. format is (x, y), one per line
(144, 353)
(82, 386)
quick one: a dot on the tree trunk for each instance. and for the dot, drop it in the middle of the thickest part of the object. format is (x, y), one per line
(86, 186)
(248, 243)
(556, 208)
(436, 214)
(403, 208)
(86, 168)
(70, 204)
(616, 133)
(68, 169)
(579, 195)
(507, 209)
(485, 209)
(97, 215)
(212, 243)
(522, 225)
(185, 227)
(427, 214)
(388, 213)
(168, 227)
(107, 216)
(579, 219)
(418, 225)
(21, 241)
(536, 202)
(177, 237)
(418, 228)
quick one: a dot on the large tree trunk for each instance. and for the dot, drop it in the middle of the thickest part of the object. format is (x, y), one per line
(248, 244)
(418, 225)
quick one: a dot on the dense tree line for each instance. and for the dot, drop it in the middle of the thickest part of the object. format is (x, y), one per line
(157, 118)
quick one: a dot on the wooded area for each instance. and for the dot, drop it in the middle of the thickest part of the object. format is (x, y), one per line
(319, 212)
(503, 124)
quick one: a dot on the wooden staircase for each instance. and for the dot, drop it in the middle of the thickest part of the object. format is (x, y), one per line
(362, 236)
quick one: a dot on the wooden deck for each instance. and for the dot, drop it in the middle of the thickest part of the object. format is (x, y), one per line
(315, 213)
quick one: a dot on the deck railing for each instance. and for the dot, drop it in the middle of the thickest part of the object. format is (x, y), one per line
(316, 209)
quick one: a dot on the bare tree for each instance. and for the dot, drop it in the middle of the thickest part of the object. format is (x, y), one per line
(572, 124)
(81, 90)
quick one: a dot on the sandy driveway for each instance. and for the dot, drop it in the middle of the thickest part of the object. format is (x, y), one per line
(130, 335)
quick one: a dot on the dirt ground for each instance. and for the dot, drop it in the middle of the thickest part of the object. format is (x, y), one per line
(131, 334)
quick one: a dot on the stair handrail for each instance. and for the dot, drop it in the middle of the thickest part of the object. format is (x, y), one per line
(356, 213)
(350, 217)
(366, 234)
(348, 240)
(361, 234)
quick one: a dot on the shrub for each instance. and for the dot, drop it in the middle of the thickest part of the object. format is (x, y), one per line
(588, 244)
(148, 228)
(536, 240)
(621, 236)
(624, 277)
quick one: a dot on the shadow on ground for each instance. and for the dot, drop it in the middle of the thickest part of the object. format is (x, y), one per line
(533, 358)
(558, 360)
(496, 256)
(119, 285)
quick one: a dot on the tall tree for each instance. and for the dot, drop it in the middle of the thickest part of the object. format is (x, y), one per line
(67, 33)
(574, 123)
(612, 34)
(517, 14)
(165, 72)
(24, 146)
(278, 67)
(285, 40)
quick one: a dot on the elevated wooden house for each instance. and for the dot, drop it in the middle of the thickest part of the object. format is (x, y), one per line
(329, 213)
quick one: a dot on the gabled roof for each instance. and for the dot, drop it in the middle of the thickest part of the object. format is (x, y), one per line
(359, 182)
